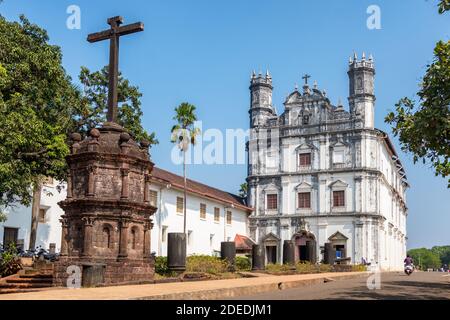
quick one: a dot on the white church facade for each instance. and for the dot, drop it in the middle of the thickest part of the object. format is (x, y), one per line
(319, 174)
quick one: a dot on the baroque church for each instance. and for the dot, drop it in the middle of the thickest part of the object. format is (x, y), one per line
(319, 174)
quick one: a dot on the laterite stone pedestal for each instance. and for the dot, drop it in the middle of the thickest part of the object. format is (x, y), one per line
(107, 221)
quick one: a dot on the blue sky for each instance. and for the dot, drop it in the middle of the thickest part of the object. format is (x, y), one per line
(203, 51)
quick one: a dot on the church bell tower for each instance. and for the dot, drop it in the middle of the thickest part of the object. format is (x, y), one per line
(362, 98)
(261, 99)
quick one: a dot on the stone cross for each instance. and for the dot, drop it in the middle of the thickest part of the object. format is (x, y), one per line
(306, 77)
(113, 35)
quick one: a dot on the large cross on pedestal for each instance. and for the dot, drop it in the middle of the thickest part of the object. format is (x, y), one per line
(113, 35)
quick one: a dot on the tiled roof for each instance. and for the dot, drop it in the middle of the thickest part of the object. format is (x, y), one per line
(243, 242)
(203, 190)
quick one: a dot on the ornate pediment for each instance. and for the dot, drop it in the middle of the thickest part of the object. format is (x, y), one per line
(339, 143)
(337, 236)
(303, 185)
(306, 146)
(271, 237)
(338, 184)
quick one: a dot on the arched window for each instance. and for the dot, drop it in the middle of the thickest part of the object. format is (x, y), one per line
(78, 238)
(106, 237)
(133, 238)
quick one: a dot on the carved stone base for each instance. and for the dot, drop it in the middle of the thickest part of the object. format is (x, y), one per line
(114, 272)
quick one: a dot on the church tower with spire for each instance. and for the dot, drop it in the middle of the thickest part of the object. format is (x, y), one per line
(261, 106)
(362, 98)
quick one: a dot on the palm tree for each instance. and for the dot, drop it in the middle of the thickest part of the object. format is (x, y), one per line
(184, 134)
(243, 191)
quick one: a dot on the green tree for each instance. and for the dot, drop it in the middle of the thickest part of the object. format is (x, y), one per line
(35, 99)
(94, 103)
(425, 258)
(424, 130)
(184, 133)
(40, 107)
(443, 252)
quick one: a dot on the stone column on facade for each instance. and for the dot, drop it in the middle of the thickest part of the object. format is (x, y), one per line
(323, 196)
(87, 244)
(64, 237)
(123, 245)
(285, 205)
(357, 194)
(358, 241)
(125, 183)
(91, 171)
(322, 236)
(146, 188)
(147, 245)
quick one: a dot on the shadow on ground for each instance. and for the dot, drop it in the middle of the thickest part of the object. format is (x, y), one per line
(398, 290)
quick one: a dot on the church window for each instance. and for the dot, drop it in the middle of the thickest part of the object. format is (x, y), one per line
(42, 214)
(269, 138)
(202, 211)
(305, 119)
(216, 214)
(153, 197)
(338, 156)
(304, 159)
(180, 205)
(272, 201)
(338, 198)
(229, 217)
(304, 200)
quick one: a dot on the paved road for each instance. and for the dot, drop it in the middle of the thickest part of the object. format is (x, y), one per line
(420, 285)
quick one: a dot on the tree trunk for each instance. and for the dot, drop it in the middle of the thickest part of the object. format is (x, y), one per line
(185, 186)
(35, 214)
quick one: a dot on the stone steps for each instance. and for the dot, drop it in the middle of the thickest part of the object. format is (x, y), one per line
(19, 285)
(27, 280)
(30, 280)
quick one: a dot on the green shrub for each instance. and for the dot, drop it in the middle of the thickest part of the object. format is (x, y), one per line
(325, 268)
(161, 267)
(243, 264)
(206, 264)
(307, 267)
(9, 262)
(278, 268)
(359, 268)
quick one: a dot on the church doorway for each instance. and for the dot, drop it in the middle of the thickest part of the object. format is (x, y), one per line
(305, 244)
(271, 244)
(271, 254)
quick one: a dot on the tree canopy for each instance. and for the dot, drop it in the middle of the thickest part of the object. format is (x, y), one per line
(40, 107)
(94, 102)
(35, 99)
(424, 129)
(432, 258)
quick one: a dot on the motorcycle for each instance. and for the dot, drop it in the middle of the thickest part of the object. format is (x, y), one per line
(409, 269)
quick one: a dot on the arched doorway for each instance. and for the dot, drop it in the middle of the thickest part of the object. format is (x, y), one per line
(305, 247)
